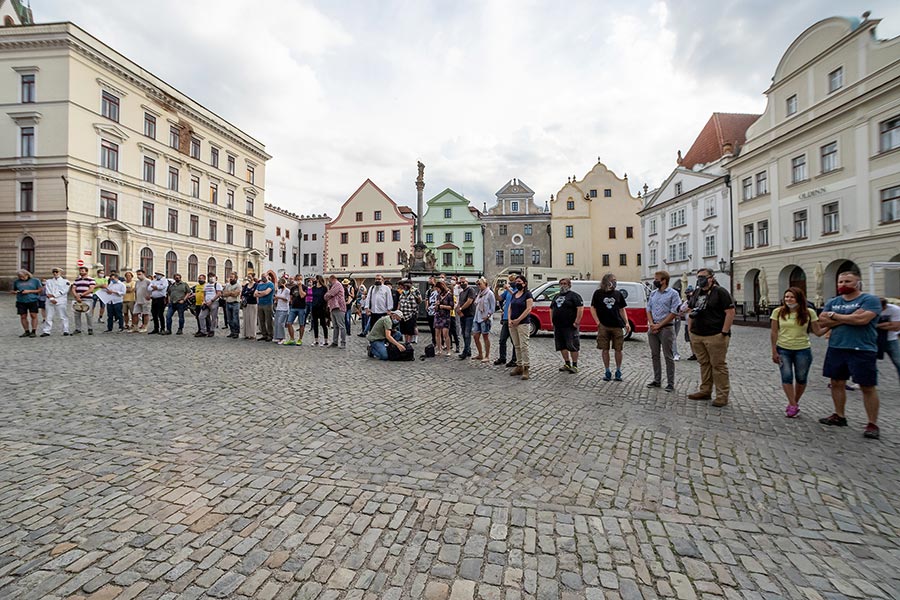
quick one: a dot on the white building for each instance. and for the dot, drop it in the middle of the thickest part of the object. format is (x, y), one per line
(312, 244)
(686, 222)
(817, 186)
(282, 241)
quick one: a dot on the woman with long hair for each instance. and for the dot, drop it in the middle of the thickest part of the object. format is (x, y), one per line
(792, 323)
(320, 316)
(442, 318)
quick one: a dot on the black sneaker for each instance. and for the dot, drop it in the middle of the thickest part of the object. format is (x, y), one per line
(76, 332)
(26, 334)
(670, 388)
(511, 364)
(692, 357)
(834, 421)
(179, 332)
(499, 361)
(90, 332)
(653, 384)
(871, 432)
(66, 334)
(45, 335)
(33, 334)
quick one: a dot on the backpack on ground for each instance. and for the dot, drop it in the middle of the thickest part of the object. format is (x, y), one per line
(405, 355)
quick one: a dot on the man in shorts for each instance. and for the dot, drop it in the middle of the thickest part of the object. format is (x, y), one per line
(566, 311)
(27, 287)
(83, 290)
(141, 303)
(852, 317)
(608, 309)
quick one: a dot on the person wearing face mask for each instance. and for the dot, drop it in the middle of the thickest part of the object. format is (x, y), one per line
(409, 308)
(442, 318)
(158, 288)
(212, 291)
(128, 301)
(378, 301)
(177, 294)
(465, 311)
(382, 334)
(852, 317)
(485, 306)
(608, 309)
(265, 311)
(889, 338)
(505, 299)
(566, 312)
(711, 316)
(57, 290)
(519, 310)
(232, 295)
(99, 283)
(141, 312)
(791, 350)
(115, 292)
(249, 303)
(197, 297)
(336, 303)
(662, 309)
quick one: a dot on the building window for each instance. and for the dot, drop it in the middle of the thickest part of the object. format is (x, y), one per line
(195, 187)
(502, 230)
(829, 157)
(448, 237)
(528, 230)
(214, 231)
(798, 169)
(229, 234)
(762, 233)
(570, 259)
(193, 268)
(379, 236)
(26, 196)
(709, 245)
(174, 136)
(251, 176)
(195, 148)
(612, 233)
(377, 215)
(448, 213)
(345, 260)
(271, 252)
(607, 193)
(28, 89)
(345, 238)
(762, 183)
(653, 227)
(653, 260)
(109, 155)
(570, 231)
(109, 205)
(214, 193)
(147, 260)
(312, 260)
(514, 206)
(173, 221)
(498, 257)
(890, 204)
(229, 199)
(211, 266)
(638, 256)
(831, 222)
(592, 193)
(748, 237)
(214, 157)
(682, 251)
(517, 256)
(446, 259)
(570, 205)
(429, 238)
(629, 233)
(229, 267)
(836, 80)
(278, 232)
(676, 218)
(248, 208)
(364, 237)
(535, 257)
(467, 236)
(364, 259)
(147, 219)
(171, 264)
(678, 188)
(284, 255)
(605, 260)
(801, 230)
(26, 254)
(173, 179)
(623, 260)
(149, 170)
(109, 106)
(306, 260)
(231, 165)
(379, 259)
(395, 235)
(195, 226)
(889, 136)
(248, 238)
(791, 107)
(470, 259)
(359, 217)
(149, 125)
(747, 188)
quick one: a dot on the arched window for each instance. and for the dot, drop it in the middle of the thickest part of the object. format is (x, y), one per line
(26, 256)
(193, 271)
(171, 264)
(211, 266)
(108, 245)
(109, 256)
(147, 260)
(228, 268)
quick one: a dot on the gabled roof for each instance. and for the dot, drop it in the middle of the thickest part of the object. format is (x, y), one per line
(448, 246)
(721, 129)
(521, 189)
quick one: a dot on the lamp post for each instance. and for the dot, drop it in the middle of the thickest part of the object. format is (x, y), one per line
(722, 264)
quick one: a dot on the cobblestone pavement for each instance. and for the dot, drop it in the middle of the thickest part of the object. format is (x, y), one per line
(147, 467)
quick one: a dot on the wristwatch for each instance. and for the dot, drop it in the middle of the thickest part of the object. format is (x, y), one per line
(726, 333)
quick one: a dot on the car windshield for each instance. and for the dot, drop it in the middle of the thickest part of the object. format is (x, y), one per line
(549, 292)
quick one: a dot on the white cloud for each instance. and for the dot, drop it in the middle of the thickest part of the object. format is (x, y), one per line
(480, 92)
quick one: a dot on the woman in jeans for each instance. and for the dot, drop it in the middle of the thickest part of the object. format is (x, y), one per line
(249, 302)
(320, 316)
(485, 305)
(282, 308)
(792, 323)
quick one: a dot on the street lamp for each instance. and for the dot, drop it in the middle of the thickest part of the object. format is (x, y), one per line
(722, 264)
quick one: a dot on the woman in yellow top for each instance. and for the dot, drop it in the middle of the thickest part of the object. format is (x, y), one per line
(792, 323)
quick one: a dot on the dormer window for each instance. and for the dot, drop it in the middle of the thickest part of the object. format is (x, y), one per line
(836, 80)
(514, 206)
(791, 107)
(678, 188)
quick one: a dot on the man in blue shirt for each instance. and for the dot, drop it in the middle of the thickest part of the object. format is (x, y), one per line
(505, 297)
(852, 317)
(662, 309)
(265, 296)
(27, 288)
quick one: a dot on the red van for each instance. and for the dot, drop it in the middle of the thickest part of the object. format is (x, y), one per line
(635, 293)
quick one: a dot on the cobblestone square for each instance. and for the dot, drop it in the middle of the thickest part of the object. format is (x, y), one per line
(136, 466)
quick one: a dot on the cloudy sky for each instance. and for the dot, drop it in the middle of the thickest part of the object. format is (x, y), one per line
(480, 91)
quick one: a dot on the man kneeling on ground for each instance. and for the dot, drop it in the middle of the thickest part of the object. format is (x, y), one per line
(381, 334)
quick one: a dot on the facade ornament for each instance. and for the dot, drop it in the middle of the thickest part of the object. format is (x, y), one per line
(679, 160)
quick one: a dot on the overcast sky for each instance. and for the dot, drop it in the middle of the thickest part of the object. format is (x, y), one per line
(480, 91)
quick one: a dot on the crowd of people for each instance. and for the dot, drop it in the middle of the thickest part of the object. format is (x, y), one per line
(861, 328)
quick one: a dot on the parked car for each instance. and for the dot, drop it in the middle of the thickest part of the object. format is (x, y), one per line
(635, 293)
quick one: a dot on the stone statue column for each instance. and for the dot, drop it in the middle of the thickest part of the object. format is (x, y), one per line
(418, 262)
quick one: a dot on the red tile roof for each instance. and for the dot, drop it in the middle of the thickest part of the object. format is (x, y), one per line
(721, 129)
(448, 246)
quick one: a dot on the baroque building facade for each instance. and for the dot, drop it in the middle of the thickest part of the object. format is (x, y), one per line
(516, 234)
(453, 236)
(102, 163)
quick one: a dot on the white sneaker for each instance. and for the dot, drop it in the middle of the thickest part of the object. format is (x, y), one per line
(677, 357)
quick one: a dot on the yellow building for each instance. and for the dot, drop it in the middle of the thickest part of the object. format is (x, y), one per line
(370, 236)
(103, 163)
(595, 228)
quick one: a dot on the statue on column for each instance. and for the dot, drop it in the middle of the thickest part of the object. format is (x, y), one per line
(421, 177)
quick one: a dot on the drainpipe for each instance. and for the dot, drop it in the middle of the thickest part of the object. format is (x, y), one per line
(731, 230)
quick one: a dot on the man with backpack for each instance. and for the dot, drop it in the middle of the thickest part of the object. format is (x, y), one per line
(381, 335)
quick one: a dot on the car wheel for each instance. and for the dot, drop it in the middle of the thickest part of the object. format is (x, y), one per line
(533, 327)
(630, 330)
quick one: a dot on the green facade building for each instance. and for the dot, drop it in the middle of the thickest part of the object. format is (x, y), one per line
(453, 235)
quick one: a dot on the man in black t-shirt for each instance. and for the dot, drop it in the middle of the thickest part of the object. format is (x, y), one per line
(608, 309)
(710, 319)
(566, 310)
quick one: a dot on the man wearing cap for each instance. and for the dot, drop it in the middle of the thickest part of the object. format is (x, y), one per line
(83, 289)
(141, 313)
(158, 288)
(57, 290)
(380, 335)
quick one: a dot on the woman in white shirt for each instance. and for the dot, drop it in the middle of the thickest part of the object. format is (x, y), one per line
(282, 308)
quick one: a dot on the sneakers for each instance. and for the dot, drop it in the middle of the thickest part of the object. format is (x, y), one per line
(66, 334)
(516, 372)
(33, 334)
(671, 388)
(871, 432)
(564, 368)
(499, 361)
(511, 364)
(27, 334)
(45, 335)
(90, 332)
(179, 332)
(300, 342)
(791, 412)
(653, 384)
(290, 343)
(835, 421)
(76, 332)
(607, 376)
(692, 357)
(676, 357)
(618, 376)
